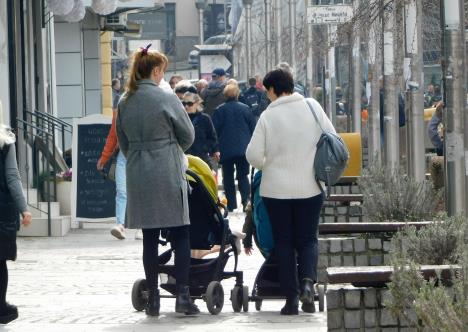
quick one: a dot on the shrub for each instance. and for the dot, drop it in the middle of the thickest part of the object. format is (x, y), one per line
(437, 308)
(389, 195)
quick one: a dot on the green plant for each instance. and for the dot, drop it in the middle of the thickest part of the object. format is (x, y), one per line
(390, 195)
(437, 308)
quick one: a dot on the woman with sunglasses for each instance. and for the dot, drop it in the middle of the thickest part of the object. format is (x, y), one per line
(206, 140)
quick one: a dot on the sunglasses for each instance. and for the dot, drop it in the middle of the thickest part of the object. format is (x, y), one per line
(188, 103)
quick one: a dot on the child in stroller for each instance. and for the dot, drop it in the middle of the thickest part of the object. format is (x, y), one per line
(258, 227)
(208, 228)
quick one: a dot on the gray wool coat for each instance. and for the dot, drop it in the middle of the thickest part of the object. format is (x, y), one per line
(154, 129)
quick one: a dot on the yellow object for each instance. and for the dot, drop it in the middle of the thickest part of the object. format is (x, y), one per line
(353, 142)
(106, 72)
(204, 172)
(428, 113)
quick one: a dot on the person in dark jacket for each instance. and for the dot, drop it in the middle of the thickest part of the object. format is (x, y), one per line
(234, 124)
(213, 95)
(206, 141)
(254, 98)
(12, 203)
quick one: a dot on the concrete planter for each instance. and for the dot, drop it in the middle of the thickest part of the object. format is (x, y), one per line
(64, 189)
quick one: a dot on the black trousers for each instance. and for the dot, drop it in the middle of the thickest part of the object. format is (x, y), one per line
(242, 175)
(295, 226)
(180, 242)
(3, 282)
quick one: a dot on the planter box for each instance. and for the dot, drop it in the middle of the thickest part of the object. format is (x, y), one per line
(59, 227)
(64, 189)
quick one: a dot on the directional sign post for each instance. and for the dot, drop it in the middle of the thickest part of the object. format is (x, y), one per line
(214, 56)
(329, 14)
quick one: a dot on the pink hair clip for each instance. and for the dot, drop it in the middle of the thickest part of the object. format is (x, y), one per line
(144, 50)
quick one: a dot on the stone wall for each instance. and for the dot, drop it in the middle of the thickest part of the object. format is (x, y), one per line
(362, 309)
(351, 251)
(342, 212)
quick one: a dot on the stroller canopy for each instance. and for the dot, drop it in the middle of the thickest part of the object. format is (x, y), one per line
(204, 172)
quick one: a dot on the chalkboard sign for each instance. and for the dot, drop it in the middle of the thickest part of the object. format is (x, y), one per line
(93, 196)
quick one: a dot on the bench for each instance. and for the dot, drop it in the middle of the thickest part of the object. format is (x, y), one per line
(367, 227)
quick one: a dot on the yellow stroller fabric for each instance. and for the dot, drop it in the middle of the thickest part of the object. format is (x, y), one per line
(198, 166)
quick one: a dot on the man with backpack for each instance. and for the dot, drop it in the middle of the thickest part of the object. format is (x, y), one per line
(254, 98)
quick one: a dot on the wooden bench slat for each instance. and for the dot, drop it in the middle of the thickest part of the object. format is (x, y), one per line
(367, 227)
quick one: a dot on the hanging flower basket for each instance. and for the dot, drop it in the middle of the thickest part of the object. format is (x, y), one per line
(61, 7)
(78, 12)
(104, 7)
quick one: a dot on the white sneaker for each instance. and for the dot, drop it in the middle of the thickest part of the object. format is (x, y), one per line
(139, 234)
(118, 231)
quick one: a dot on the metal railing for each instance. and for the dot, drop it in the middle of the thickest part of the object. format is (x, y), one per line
(39, 130)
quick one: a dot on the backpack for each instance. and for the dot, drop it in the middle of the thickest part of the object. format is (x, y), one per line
(331, 158)
(256, 102)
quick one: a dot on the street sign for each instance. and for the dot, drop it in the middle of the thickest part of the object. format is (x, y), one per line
(329, 14)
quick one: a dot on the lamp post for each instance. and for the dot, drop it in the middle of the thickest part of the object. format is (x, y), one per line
(201, 6)
(268, 35)
(248, 33)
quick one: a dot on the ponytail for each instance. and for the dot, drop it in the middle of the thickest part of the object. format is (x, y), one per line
(143, 63)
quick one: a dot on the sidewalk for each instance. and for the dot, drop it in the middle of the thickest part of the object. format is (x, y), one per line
(82, 282)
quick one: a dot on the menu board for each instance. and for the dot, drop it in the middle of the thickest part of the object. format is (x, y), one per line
(93, 196)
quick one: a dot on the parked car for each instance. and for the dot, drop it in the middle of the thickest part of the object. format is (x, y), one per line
(194, 59)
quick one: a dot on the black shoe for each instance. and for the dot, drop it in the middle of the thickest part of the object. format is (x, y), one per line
(291, 307)
(308, 307)
(153, 305)
(8, 313)
(183, 303)
(307, 291)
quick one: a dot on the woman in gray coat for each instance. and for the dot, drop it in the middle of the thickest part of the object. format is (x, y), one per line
(153, 131)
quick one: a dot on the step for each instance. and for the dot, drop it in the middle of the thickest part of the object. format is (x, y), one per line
(59, 227)
(41, 210)
(31, 196)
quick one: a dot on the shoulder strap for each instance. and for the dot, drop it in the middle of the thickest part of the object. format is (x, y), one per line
(313, 113)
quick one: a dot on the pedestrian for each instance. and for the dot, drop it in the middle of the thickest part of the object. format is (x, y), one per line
(111, 148)
(174, 80)
(12, 204)
(234, 124)
(433, 129)
(283, 146)
(184, 86)
(154, 130)
(201, 84)
(254, 98)
(205, 145)
(213, 95)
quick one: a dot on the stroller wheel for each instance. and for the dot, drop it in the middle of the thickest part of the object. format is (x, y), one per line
(258, 305)
(245, 298)
(139, 294)
(321, 297)
(214, 297)
(236, 298)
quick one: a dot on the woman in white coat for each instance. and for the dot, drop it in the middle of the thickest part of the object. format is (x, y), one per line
(283, 146)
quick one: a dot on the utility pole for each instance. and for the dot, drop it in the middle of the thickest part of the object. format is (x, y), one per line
(391, 126)
(248, 35)
(455, 108)
(415, 118)
(267, 35)
(278, 30)
(201, 6)
(310, 58)
(292, 32)
(356, 61)
(374, 111)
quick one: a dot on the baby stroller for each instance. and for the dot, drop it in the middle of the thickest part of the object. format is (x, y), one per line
(266, 285)
(208, 227)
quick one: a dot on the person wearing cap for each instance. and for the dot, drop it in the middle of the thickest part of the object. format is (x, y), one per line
(184, 86)
(213, 93)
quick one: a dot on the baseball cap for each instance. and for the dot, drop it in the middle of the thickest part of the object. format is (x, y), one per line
(218, 72)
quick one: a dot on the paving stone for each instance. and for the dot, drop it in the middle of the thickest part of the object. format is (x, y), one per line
(329, 219)
(334, 299)
(412, 318)
(387, 259)
(352, 299)
(335, 319)
(355, 190)
(342, 210)
(323, 261)
(352, 319)
(370, 298)
(359, 245)
(345, 189)
(408, 329)
(375, 260)
(335, 261)
(389, 329)
(341, 219)
(370, 317)
(374, 244)
(371, 329)
(385, 296)
(323, 245)
(329, 211)
(335, 246)
(347, 245)
(361, 260)
(387, 246)
(354, 219)
(348, 260)
(355, 210)
(387, 319)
